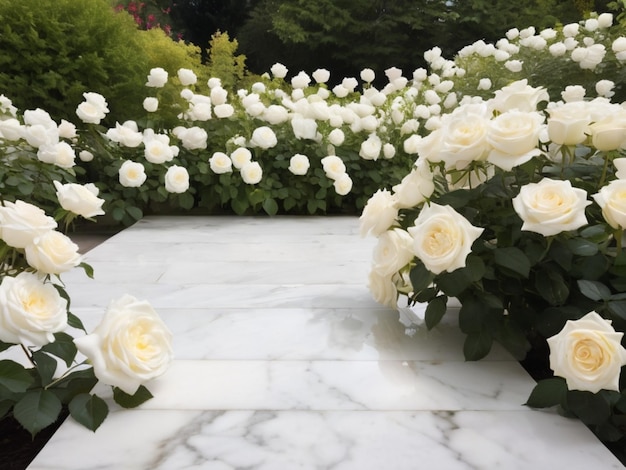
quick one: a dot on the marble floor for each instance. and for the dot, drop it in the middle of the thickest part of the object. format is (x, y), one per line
(283, 361)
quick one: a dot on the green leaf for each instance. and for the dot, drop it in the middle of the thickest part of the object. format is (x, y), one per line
(46, 366)
(131, 401)
(5, 407)
(62, 347)
(88, 269)
(551, 286)
(88, 410)
(582, 247)
(618, 308)
(270, 206)
(435, 311)
(37, 410)
(594, 290)
(547, 393)
(472, 315)
(420, 277)
(74, 321)
(513, 259)
(136, 213)
(14, 377)
(591, 408)
(477, 345)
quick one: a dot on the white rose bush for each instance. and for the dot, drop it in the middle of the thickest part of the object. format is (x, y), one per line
(515, 210)
(49, 363)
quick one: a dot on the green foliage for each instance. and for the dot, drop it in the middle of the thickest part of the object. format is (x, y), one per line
(54, 50)
(223, 62)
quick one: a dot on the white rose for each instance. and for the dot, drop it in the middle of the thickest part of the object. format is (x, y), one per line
(22, 222)
(514, 65)
(220, 163)
(568, 123)
(85, 156)
(60, 154)
(380, 213)
(275, 114)
(336, 137)
(389, 151)
(151, 104)
(343, 184)
(415, 187)
(514, 136)
(186, 77)
(551, 207)
(199, 111)
(588, 354)
(383, 289)
(612, 200)
(157, 151)
(605, 20)
(132, 174)
(442, 238)
(214, 82)
(411, 145)
(218, 95)
(557, 49)
(609, 133)
(79, 199)
(67, 130)
(462, 138)
(370, 148)
(340, 91)
(301, 80)
(157, 78)
(39, 117)
(279, 70)
(193, 138)
(53, 253)
(223, 111)
(93, 109)
(368, 75)
(130, 346)
(251, 173)
(176, 179)
(304, 128)
(484, 84)
(263, 137)
(573, 93)
(10, 129)
(571, 29)
(39, 135)
(333, 166)
(299, 164)
(30, 311)
(393, 251)
(321, 75)
(605, 88)
(620, 167)
(519, 95)
(126, 134)
(240, 157)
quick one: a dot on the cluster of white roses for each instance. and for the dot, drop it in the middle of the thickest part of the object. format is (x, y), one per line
(581, 43)
(32, 310)
(499, 135)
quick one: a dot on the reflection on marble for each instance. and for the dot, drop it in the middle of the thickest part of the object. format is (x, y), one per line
(283, 361)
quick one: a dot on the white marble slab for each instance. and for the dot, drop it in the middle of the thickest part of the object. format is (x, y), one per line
(283, 361)
(313, 440)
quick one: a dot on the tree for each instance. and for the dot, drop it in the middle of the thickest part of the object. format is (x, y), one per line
(345, 36)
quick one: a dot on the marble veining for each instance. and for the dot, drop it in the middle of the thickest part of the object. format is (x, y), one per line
(283, 361)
